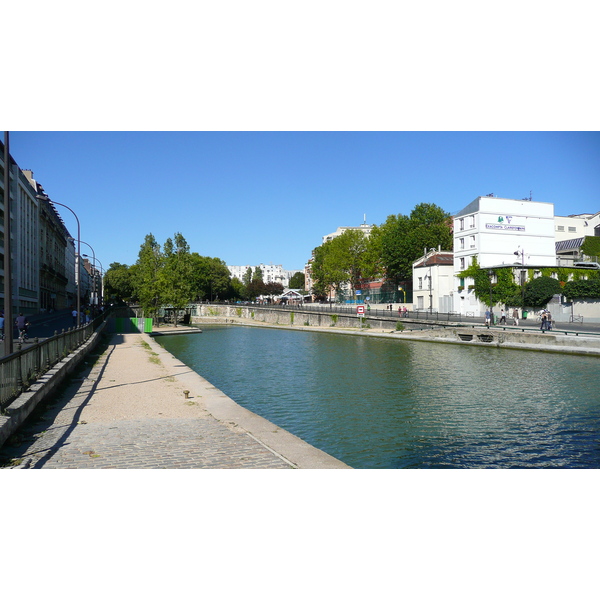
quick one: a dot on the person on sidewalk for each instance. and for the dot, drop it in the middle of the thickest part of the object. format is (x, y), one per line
(515, 316)
(502, 317)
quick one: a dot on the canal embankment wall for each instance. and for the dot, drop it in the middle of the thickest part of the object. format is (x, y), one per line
(508, 337)
(44, 387)
(289, 317)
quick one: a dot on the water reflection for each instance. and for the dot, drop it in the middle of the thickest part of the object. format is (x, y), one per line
(377, 403)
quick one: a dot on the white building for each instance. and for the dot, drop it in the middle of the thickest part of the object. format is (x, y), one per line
(271, 273)
(366, 229)
(500, 231)
(570, 234)
(433, 282)
(493, 229)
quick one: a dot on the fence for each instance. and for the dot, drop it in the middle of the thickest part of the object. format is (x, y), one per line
(23, 367)
(422, 314)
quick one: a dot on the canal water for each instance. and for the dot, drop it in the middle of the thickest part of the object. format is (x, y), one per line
(389, 404)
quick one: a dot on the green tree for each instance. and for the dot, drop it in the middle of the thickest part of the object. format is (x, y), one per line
(211, 278)
(582, 288)
(247, 277)
(539, 291)
(118, 284)
(257, 275)
(297, 281)
(339, 262)
(591, 246)
(146, 284)
(175, 279)
(237, 289)
(404, 239)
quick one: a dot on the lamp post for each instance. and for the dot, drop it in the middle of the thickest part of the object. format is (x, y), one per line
(522, 253)
(491, 274)
(427, 263)
(8, 293)
(77, 258)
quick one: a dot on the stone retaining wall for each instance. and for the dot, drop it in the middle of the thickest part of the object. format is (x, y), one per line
(295, 317)
(24, 404)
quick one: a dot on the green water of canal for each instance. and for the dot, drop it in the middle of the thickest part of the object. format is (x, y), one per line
(377, 403)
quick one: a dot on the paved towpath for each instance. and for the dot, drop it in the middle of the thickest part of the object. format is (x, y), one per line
(126, 408)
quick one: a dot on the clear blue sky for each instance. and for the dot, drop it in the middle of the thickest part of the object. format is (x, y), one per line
(268, 197)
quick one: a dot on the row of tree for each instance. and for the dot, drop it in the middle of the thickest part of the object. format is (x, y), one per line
(388, 252)
(172, 275)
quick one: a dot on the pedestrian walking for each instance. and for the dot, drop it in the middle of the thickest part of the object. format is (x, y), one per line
(548, 320)
(502, 317)
(515, 316)
(543, 327)
(487, 317)
(74, 315)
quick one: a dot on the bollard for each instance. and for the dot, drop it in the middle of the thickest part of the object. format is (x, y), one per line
(186, 393)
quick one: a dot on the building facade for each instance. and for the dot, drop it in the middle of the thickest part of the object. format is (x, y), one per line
(433, 281)
(43, 251)
(570, 235)
(271, 273)
(24, 241)
(500, 232)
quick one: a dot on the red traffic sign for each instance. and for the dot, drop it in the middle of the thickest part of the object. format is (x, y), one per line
(360, 309)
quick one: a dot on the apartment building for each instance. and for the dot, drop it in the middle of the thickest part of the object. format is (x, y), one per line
(43, 251)
(24, 239)
(500, 232)
(366, 229)
(570, 233)
(271, 273)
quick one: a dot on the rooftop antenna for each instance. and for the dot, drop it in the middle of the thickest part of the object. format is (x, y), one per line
(365, 219)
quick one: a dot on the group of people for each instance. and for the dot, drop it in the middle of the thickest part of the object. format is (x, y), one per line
(546, 319)
(402, 310)
(503, 315)
(21, 323)
(86, 316)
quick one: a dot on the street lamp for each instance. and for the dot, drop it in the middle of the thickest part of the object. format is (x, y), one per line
(522, 253)
(427, 263)
(94, 259)
(77, 259)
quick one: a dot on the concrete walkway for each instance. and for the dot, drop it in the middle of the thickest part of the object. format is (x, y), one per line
(126, 409)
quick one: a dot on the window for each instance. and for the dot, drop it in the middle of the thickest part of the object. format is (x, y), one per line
(462, 243)
(560, 228)
(472, 241)
(572, 229)
(462, 224)
(420, 283)
(472, 221)
(462, 264)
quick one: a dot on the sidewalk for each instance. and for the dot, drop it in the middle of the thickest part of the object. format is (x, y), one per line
(126, 409)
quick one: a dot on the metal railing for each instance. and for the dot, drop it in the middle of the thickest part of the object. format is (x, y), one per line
(22, 368)
(350, 309)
